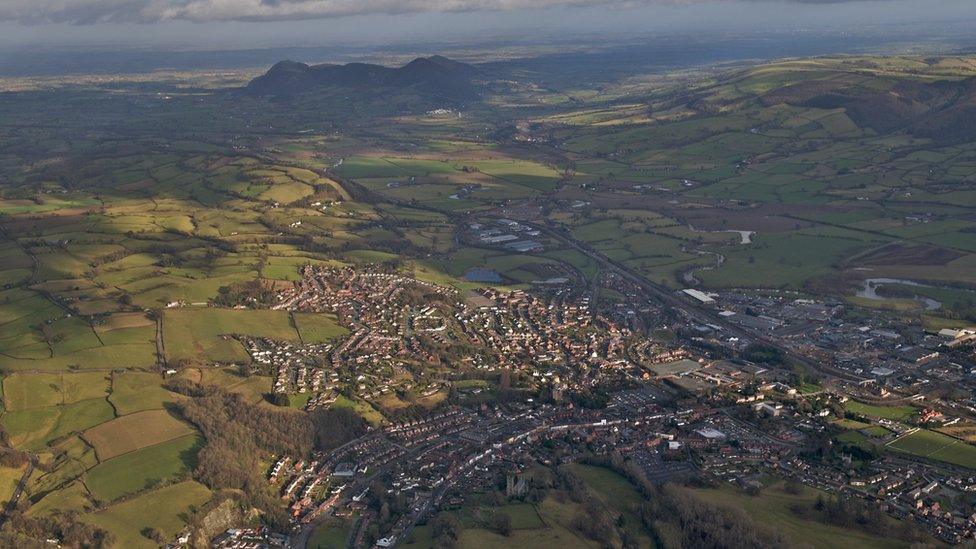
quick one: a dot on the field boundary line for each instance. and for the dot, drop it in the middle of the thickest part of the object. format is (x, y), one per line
(910, 432)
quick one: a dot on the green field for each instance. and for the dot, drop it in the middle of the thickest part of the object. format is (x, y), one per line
(72, 497)
(318, 328)
(937, 446)
(548, 523)
(855, 438)
(134, 431)
(37, 390)
(895, 413)
(545, 525)
(479, 538)
(134, 391)
(253, 387)
(329, 535)
(524, 516)
(772, 507)
(141, 355)
(367, 412)
(851, 424)
(33, 428)
(205, 333)
(143, 468)
(9, 479)
(876, 431)
(163, 510)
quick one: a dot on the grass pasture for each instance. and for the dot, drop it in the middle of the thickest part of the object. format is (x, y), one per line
(773, 508)
(72, 497)
(9, 479)
(855, 438)
(964, 430)
(23, 391)
(535, 526)
(164, 509)
(142, 355)
(329, 535)
(204, 333)
(548, 523)
(143, 468)
(31, 429)
(135, 431)
(252, 387)
(134, 391)
(127, 328)
(894, 413)
(318, 327)
(524, 516)
(367, 412)
(560, 536)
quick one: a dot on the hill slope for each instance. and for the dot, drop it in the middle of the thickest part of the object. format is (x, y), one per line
(938, 106)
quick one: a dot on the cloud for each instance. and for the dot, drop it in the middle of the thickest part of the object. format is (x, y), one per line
(147, 11)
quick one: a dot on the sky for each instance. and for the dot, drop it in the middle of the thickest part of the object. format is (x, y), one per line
(211, 24)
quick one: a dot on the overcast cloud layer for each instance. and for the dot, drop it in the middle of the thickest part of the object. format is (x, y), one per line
(85, 12)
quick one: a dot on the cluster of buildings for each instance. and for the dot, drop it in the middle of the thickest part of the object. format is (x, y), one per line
(507, 234)
(878, 349)
(249, 538)
(701, 377)
(395, 322)
(436, 462)
(401, 327)
(296, 368)
(689, 407)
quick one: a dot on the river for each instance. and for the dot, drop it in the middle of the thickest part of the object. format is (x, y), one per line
(869, 291)
(745, 237)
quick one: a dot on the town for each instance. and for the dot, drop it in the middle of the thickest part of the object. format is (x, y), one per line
(547, 380)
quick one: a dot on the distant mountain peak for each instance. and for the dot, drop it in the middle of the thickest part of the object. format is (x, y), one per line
(437, 76)
(288, 64)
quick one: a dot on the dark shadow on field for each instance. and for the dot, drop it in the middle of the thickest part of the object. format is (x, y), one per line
(189, 456)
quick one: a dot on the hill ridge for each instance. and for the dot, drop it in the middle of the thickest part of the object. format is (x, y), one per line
(434, 76)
